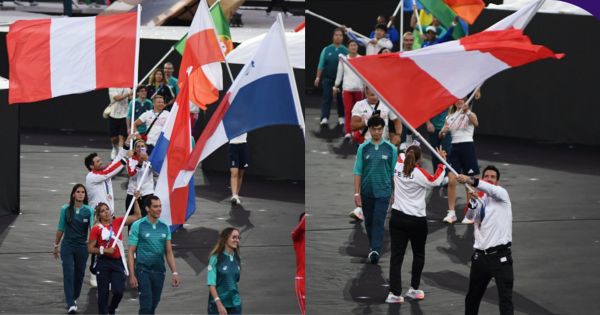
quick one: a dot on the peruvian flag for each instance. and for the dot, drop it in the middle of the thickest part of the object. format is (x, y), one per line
(201, 61)
(53, 57)
(420, 84)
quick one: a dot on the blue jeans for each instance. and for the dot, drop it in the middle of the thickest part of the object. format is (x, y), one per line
(150, 285)
(327, 96)
(375, 210)
(212, 309)
(435, 142)
(111, 274)
(74, 259)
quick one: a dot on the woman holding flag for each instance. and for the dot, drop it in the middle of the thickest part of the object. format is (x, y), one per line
(110, 267)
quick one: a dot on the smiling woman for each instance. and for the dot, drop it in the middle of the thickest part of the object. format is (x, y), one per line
(224, 266)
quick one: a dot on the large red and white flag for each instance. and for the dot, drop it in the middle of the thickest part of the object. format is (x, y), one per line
(420, 84)
(201, 61)
(52, 57)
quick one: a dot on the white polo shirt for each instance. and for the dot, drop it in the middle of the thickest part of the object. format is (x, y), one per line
(364, 110)
(147, 118)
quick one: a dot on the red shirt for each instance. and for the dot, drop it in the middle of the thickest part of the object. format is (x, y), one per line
(298, 238)
(96, 234)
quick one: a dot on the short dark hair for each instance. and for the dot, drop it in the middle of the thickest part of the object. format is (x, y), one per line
(338, 29)
(141, 87)
(351, 41)
(381, 27)
(375, 121)
(156, 96)
(149, 201)
(89, 160)
(491, 168)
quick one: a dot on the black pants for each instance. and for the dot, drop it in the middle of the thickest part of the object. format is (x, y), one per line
(110, 272)
(499, 266)
(403, 228)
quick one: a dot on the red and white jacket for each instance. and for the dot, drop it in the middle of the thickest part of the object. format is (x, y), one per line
(410, 191)
(99, 183)
(135, 170)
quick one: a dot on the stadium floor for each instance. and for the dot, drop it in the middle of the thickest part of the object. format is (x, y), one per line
(50, 164)
(556, 238)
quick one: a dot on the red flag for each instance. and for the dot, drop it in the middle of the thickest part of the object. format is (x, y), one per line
(420, 84)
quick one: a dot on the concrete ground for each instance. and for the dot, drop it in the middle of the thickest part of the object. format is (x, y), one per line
(51, 164)
(556, 239)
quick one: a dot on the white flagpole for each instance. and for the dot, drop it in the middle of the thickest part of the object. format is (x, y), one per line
(131, 203)
(406, 123)
(334, 23)
(213, 22)
(417, 15)
(395, 12)
(136, 65)
(401, 24)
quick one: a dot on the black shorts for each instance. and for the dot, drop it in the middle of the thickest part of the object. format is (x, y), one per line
(464, 159)
(117, 127)
(238, 155)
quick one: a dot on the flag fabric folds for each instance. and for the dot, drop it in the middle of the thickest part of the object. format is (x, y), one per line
(263, 94)
(169, 155)
(440, 10)
(53, 57)
(468, 10)
(222, 27)
(420, 84)
(201, 61)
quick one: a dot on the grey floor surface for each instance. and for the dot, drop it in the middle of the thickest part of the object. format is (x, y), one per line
(50, 164)
(556, 233)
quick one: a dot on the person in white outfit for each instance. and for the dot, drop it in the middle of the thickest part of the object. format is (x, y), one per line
(408, 221)
(352, 87)
(374, 45)
(136, 164)
(117, 120)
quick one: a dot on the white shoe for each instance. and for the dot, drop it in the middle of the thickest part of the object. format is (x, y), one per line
(466, 221)
(340, 121)
(72, 310)
(415, 294)
(324, 121)
(235, 200)
(391, 298)
(450, 217)
(357, 214)
(113, 154)
(93, 282)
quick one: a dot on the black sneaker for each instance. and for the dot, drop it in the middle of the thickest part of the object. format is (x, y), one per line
(373, 257)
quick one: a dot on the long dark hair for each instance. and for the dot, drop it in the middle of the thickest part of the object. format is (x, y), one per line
(220, 246)
(71, 208)
(413, 154)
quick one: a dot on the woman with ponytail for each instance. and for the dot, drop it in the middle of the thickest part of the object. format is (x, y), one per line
(224, 266)
(408, 221)
(75, 220)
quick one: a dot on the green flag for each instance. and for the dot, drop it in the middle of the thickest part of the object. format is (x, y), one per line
(180, 45)
(221, 27)
(444, 14)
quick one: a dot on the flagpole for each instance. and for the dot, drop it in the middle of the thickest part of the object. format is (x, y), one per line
(214, 4)
(292, 80)
(406, 123)
(333, 23)
(395, 12)
(136, 65)
(158, 63)
(417, 15)
(132, 201)
(401, 25)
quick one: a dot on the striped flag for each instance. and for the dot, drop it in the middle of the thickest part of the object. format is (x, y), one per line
(201, 61)
(53, 57)
(439, 75)
(263, 94)
(171, 151)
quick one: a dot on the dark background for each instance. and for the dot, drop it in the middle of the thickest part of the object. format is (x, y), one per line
(9, 157)
(548, 100)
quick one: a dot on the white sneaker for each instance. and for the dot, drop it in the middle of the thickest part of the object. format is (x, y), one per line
(93, 283)
(357, 214)
(235, 200)
(467, 221)
(341, 121)
(72, 310)
(324, 121)
(391, 298)
(450, 217)
(113, 153)
(415, 294)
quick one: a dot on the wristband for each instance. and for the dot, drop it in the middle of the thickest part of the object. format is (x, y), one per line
(55, 245)
(217, 299)
(356, 194)
(176, 273)
(101, 250)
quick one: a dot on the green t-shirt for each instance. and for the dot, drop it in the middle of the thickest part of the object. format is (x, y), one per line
(439, 120)
(150, 240)
(224, 275)
(76, 232)
(140, 108)
(375, 164)
(328, 61)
